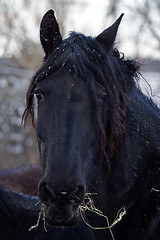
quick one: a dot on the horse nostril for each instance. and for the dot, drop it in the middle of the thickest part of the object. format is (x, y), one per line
(46, 192)
(77, 195)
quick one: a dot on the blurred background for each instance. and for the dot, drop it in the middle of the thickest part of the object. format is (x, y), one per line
(21, 55)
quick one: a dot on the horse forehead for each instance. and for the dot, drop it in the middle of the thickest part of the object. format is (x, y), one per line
(66, 86)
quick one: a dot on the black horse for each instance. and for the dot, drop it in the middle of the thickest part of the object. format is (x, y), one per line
(98, 136)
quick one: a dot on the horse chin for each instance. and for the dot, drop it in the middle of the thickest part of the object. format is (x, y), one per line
(62, 216)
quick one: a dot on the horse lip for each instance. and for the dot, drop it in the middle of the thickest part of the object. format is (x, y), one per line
(61, 222)
(59, 216)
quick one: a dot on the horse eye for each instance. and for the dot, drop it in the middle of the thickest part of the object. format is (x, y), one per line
(38, 96)
(101, 99)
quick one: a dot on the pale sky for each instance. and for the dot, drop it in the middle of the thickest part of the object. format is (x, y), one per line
(90, 19)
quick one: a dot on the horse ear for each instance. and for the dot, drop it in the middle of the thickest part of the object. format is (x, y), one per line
(108, 36)
(49, 32)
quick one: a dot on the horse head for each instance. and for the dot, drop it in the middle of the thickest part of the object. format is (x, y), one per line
(71, 116)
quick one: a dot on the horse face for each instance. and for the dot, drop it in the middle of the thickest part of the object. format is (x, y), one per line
(67, 138)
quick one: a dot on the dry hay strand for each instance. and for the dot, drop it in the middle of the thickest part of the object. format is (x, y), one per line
(42, 215)
(88, 205)
(155, 190)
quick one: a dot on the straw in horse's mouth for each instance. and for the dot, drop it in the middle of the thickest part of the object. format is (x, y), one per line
(86, 205)
(42, 215)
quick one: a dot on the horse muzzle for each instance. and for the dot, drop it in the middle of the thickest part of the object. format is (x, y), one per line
(61, 207)
(62, 215)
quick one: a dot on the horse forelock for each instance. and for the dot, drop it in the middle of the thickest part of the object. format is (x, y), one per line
(82, 56)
